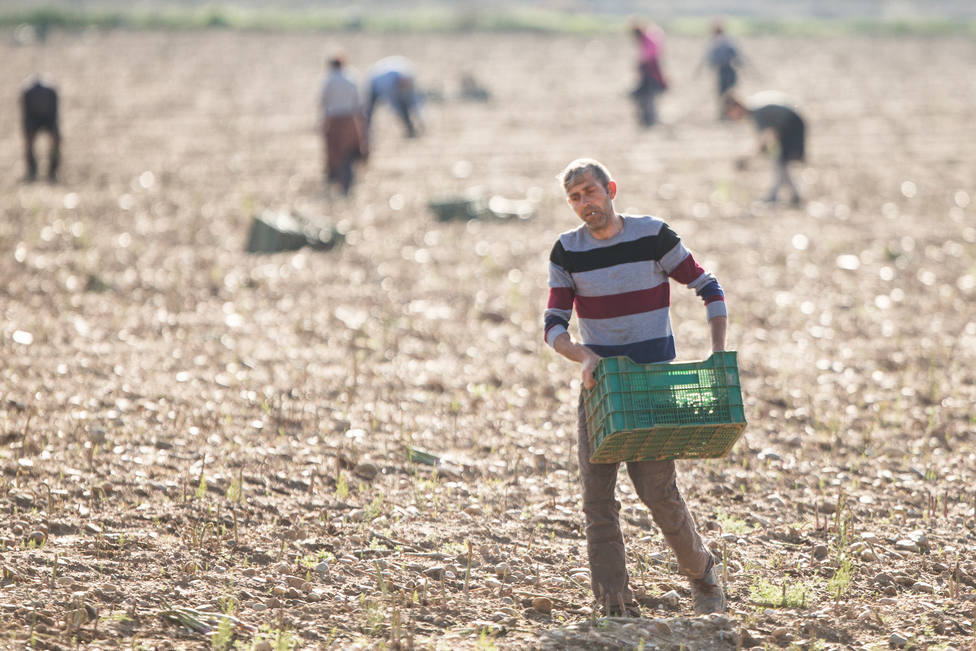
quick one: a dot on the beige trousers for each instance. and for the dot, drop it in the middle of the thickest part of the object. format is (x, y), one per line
(655, 484)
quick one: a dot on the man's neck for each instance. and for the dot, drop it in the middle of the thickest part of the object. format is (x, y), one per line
(613, 228)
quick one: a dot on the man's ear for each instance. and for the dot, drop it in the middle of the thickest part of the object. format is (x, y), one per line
(612, 189)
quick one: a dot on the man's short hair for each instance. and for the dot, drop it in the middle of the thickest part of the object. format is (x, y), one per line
(337, 59)
(581, 166)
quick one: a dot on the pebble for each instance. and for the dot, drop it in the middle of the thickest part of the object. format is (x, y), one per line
(781, 634)
(37, 538)
(770, 455)
(919, 538)
(820, 552)
(435, 572)
(883, 578)
(366, 469)
(868, 555)
(920, 586)
(659, 627)
(671, 599)
(501, 569)
(542, 604)
(907, 545)
(897, 640)
(905, 580)
(322, 569)
(750, 638)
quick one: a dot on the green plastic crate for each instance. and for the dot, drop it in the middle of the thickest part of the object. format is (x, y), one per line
(688, 410)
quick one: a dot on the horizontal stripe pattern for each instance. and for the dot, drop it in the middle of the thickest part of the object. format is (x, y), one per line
(624, 304)
(626, 329)
(620, 288)
(648, 351)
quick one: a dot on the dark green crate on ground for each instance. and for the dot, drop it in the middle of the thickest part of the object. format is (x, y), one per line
(688, 410)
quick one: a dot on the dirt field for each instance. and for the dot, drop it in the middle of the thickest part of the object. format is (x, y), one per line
(186, 425)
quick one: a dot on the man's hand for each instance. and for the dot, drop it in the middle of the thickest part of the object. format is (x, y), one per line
(569, 349)
(589, 366)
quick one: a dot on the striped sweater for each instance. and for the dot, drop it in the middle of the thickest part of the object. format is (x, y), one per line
(620, 289)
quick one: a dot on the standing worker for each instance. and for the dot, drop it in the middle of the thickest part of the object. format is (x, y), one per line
(651, 83)
(780, 128)
(724, 57)
(392, 80)
(343, 124)
(615, 270)
(39, 109)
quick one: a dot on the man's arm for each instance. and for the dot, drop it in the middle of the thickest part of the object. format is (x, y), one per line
(718, 325)
(565, 346)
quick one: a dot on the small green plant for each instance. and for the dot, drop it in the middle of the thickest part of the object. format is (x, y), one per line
(201, 487)
(235, 491)
(839, 583)
(787, 595)
(278, 639)
(485, 643)
(223, 636)
(732, 524)
(374, 510)
(342, 488)
(373, 615)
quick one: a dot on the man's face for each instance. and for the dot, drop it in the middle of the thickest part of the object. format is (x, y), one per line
(592, 202)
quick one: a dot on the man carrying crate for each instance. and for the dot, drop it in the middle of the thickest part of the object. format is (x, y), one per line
(615, 270)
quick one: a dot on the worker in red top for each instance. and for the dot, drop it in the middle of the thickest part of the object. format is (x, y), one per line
(651, 82)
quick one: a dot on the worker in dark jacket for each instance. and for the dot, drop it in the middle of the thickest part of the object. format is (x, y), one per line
(39, 108)
(780, 127)
(723, 56)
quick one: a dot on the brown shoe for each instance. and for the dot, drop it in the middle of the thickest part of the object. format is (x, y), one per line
(707, 593)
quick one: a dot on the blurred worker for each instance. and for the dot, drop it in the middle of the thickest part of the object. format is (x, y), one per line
(39, 108)
(651, 82)
(781, 132)
(343, 124)
(392, 80)
(615, 271)
(724, 57)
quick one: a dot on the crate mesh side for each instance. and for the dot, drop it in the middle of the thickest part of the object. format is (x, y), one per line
(657, 411)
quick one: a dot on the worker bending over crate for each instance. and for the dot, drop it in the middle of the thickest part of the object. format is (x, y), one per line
(615, 270)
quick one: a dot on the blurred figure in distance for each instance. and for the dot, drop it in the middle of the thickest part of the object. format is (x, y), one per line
(651, 82)
(392, 80)
(724, 57)
(39, 111)
(343, 124)
(781, 131)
